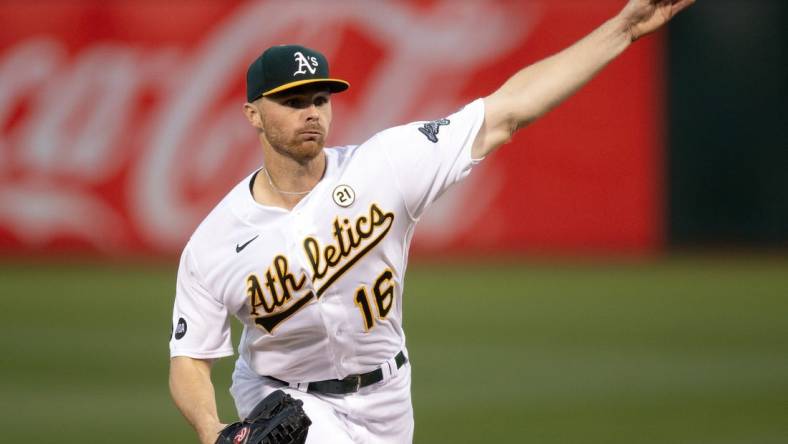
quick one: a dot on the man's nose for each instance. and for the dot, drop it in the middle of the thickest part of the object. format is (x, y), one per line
(312, 112)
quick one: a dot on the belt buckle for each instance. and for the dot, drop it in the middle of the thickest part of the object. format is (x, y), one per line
(357, 382)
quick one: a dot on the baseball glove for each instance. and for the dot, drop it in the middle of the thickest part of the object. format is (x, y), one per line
(277, 419)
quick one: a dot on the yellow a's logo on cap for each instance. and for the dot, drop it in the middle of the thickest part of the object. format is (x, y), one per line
(305, 64)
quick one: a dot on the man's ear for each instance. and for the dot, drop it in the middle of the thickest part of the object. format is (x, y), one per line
(252, 113)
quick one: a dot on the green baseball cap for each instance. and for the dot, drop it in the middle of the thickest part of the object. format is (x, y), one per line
(286, 66)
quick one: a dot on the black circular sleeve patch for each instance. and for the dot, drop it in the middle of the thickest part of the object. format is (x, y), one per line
(180, 330)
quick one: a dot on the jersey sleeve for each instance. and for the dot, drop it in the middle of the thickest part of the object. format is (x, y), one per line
(200, 322)
(428, 157)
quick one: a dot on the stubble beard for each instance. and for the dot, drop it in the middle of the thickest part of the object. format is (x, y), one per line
(299, 147)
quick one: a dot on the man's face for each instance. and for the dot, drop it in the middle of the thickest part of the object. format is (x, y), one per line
(296, 122)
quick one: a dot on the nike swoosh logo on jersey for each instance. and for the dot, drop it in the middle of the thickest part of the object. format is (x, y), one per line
(238, 248)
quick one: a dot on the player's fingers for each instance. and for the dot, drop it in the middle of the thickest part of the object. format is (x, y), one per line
(680, 5)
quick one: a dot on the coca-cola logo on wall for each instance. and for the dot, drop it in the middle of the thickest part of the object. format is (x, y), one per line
(125, 146)
(121, 122)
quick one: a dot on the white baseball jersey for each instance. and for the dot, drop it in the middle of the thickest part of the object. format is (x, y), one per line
(319, 288)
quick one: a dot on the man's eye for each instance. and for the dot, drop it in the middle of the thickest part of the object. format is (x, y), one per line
(321, 101)
(293, 103)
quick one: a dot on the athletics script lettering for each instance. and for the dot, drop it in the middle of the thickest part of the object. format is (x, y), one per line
(352, 241)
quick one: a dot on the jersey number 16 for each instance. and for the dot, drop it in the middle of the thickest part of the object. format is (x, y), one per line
(383, 292)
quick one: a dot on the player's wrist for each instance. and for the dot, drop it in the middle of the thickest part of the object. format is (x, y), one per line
(623, 27)
(210, 432)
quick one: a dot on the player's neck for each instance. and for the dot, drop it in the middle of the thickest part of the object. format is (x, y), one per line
(283, 181)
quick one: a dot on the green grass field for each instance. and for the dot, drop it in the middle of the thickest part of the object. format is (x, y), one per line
(669, 351)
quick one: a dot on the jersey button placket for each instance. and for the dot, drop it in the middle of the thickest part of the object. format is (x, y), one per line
(303, 229)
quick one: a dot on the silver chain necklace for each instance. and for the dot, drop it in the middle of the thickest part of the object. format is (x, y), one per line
(287, 193)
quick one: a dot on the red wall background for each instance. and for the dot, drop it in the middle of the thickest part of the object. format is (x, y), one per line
(121, 123)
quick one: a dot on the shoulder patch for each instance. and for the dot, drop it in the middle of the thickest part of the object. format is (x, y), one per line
(431, 129)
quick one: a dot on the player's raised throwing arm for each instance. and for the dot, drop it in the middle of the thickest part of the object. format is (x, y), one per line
(535, 90)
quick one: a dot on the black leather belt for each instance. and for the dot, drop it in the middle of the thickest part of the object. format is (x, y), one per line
(350, 384)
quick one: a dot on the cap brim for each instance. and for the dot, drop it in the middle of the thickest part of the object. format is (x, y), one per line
(334, 85)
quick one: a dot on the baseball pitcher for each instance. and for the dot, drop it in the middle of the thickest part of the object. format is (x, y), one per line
(309, 251)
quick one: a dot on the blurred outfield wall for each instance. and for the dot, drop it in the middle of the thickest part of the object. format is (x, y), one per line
(121, 123)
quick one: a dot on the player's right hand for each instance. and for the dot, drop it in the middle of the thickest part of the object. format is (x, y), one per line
(643, 17)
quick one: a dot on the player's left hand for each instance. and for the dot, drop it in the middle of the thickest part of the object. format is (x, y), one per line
(277, 419)
(643, 17)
